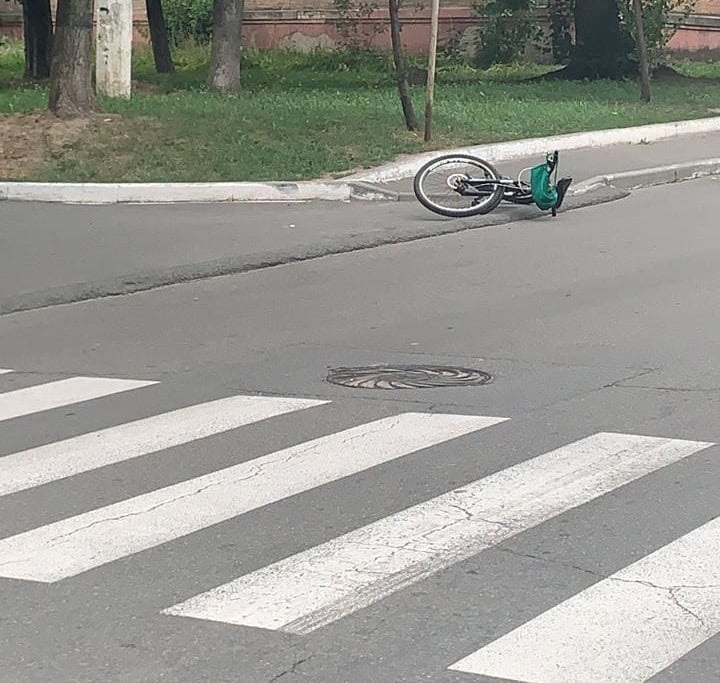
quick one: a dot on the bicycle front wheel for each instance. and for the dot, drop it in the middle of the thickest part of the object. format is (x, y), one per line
(449, 185)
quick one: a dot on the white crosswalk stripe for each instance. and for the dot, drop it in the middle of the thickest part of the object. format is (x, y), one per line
(78, 544)
(64, 392)
(626, 628)
(62, 459)
(326, 583)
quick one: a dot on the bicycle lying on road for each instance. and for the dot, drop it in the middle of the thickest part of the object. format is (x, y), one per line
(482, 188)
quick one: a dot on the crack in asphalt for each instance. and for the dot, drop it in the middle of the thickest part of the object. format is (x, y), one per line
(293, 667)
(672, 591)
(546, 560)
(617, 384)
(256, 471)
(684, 390)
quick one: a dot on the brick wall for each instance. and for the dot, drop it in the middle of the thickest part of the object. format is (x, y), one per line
(269, 23)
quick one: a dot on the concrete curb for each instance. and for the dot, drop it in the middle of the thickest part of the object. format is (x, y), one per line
(507, 151)
(647, 177)
(171, 193)
(359, 186)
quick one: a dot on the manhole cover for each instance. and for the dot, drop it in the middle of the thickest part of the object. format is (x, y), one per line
(406, 377)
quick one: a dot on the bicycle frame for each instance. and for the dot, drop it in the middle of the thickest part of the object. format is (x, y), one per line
(514, 191)
(486, 192)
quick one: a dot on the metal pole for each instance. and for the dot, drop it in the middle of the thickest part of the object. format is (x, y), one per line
(432, 60)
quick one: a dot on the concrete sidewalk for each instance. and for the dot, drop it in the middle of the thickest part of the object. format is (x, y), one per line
(582, 164)
(51, 254)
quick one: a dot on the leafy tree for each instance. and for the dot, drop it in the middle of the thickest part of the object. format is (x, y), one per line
(606, 36)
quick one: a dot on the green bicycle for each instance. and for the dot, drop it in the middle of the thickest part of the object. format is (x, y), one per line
(481, 189)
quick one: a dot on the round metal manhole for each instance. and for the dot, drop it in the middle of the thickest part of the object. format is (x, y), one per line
(407, 377)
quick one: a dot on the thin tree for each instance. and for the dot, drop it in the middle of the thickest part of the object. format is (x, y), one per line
(642, 52)
(38, 35)
(71, 91)
(226, 45)
(158, 37)
(401, 70)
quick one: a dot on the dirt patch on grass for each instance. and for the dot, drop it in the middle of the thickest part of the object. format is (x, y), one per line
(31, 139)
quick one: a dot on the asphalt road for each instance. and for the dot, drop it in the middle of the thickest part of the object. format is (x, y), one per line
(91, 252)
(369, 535)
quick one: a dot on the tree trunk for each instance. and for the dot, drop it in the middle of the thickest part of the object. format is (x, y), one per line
(158, 37)
(227, 33)
(401, 72)
(38, 34)
(642, 52)
(71, 91)
(601, 48)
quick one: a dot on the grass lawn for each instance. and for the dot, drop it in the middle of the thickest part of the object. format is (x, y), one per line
(322, 115)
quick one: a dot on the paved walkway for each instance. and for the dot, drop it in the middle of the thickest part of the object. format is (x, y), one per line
(582, 164)
(57, 253)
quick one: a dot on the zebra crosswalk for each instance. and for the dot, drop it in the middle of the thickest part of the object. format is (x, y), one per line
(62, 393)
(66, 458)
(663, 605)
(330, 581)
(627, 627)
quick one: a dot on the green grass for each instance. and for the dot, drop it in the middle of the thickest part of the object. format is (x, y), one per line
(308, 116)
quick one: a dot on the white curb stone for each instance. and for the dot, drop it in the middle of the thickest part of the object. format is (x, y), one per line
(163, 193)
(646, 177)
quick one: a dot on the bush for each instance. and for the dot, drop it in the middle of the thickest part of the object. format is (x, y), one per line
(655, 20)
(188, 20)
(511, 27)
(561, 13)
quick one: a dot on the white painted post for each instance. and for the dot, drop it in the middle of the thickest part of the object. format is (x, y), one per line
(113, 42)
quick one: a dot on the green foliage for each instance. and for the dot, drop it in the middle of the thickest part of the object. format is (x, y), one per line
(320, 114)
(12, 60)
(658, 30)
(511, 27)
(709, 68)
(355, 25)
(188, 20)
(561, 20)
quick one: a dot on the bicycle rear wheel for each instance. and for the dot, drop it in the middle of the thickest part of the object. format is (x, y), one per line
(441, 186)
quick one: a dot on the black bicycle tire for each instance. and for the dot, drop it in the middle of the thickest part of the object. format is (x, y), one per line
(477, 210)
